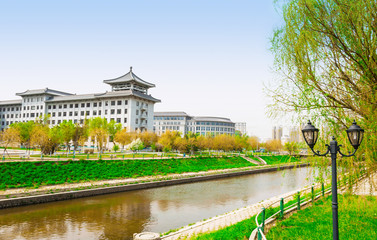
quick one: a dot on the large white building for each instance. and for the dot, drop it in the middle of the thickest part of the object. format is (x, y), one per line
(184, 123)
(127, 103)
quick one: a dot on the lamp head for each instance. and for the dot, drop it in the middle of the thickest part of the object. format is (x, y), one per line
(355, 135)
(310, 134)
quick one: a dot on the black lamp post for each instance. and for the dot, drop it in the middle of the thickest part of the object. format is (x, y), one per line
(355, 136)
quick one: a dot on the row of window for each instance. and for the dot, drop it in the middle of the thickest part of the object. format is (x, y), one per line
(53, 122)
(88, 104)
(169, 118)
(87, 113)
(9, 109)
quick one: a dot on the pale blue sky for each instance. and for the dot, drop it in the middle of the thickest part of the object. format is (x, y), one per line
(205, 57)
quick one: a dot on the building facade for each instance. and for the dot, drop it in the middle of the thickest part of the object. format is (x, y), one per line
(184, 123)
(127, 103)
(277, 133)
(241, 127)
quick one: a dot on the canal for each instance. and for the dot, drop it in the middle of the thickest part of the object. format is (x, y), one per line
(118, 216)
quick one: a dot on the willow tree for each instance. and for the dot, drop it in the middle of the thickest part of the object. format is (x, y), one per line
(325, 54)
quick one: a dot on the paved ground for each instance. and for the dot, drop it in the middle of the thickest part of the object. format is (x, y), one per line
(227, 219)
(367, 186)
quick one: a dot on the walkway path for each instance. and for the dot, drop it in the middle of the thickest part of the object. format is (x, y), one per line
(251, 160)
(226, 219)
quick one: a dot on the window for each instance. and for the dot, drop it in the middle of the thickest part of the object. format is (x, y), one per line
(87, 104)
(32, 115)
(126, 102)
(94, 104)
(137, 121)
(64, 114)
(137, 103)
(119, 102)
(59, 114)
(105, 111)
(54, 107)
(41, 107)
(76, 105)
(137, 112)
(53, 114)
(70, 105)
(59, 121)
(125, 111)
(119, 111)
(76, 113)
(106, 103)
(53, 121)
(70, 114)
(82, 105)
(99, 112)
(100, 104)
(37, 107)
(65, 106)
(112, 103)
(118, 120)
(87, 113)
(60, 106)
(112, 111)
(32, 107)
(82, 113)
(125, 120)
(94, 113)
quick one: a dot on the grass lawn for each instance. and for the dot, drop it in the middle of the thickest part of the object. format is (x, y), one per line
(270, 160)
(34, 174)
(357, 220)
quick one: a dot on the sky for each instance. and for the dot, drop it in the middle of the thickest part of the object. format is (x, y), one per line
(206, 58)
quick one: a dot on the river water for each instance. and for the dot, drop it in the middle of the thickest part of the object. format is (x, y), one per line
(119, 215)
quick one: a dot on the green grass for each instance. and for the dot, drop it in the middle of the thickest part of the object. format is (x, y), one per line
(34, 174)
(357, 220)
(271, 160)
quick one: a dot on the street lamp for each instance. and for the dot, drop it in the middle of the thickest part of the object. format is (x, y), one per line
(355, 136)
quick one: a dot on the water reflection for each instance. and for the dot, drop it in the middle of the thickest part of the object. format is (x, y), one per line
(118, 216)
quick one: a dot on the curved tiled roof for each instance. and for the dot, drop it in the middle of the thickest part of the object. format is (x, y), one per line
(94, 96)
(43, 91)
(128, 77)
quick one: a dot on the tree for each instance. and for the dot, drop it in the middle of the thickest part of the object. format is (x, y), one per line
(291, 147)
(148, 138)
(167, 140)
(68, 130)
(273, 145)
(45, 138)
(253, 142)
(136, 145)
(326, 54)
(124, 137)
(80, 135)
(113, 128)
(9, 136)
(24, 129)
(98, 130)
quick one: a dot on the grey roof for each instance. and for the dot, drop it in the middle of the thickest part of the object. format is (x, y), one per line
(213, 119)
(170, 114)
(129, 77)
(11, 102)
(43, 91)
(95, 96)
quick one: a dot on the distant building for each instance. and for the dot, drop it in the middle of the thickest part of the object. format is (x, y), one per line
(127, 103)
(277, 133)
(241, 127)
(184, 123)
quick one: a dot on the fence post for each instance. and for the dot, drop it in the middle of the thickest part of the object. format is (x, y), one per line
(323, 189)
(263, 218)
(298, 201)
(87, 156)
(312, 193)
(259, 234)
(281, 207)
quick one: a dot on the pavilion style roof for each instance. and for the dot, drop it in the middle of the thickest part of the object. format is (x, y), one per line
(43, 91)
(11, 102)
(129, 77)
(95, 96)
